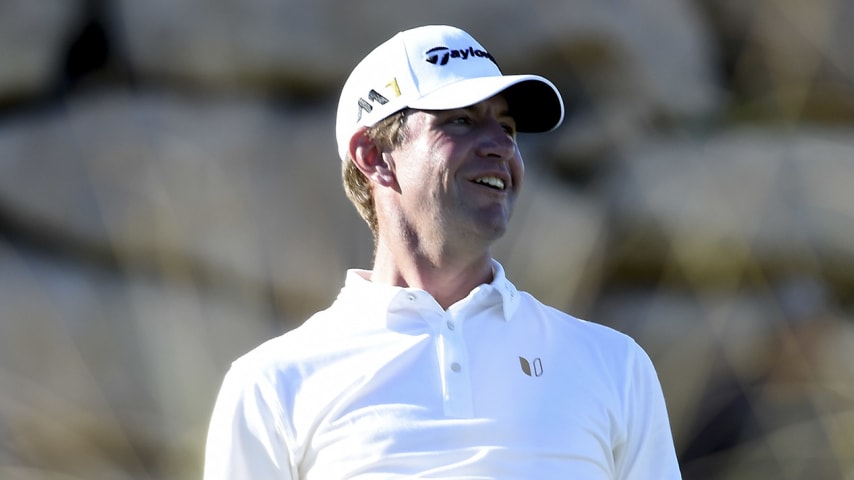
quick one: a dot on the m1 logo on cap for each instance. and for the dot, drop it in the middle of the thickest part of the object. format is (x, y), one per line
(366, 105)
(441, 55)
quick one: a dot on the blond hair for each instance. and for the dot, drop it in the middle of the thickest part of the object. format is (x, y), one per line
(388, 133)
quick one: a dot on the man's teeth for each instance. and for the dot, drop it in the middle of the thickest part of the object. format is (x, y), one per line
(492, 182)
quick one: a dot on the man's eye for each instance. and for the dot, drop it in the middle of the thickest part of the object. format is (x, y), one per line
(461, 120)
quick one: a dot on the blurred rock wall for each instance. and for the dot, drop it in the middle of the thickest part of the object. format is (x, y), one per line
(170, 197)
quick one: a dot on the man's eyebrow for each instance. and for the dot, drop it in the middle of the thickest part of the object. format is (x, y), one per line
(504, 112)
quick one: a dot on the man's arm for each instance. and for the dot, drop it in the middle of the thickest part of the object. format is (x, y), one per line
(648, 451)
(246, 438)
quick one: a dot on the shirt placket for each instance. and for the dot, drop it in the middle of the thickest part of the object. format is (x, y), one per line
(454, 365)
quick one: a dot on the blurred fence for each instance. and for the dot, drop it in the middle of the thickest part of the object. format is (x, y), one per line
(170, 197)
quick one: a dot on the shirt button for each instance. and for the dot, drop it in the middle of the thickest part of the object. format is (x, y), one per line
(451, 325)
(456, 367)
(411, 297)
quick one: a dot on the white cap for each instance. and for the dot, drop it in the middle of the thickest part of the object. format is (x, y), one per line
(439, 67)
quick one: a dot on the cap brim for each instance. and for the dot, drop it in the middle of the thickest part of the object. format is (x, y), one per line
(535, 103)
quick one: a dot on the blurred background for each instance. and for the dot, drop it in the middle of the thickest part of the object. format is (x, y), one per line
(170, 197)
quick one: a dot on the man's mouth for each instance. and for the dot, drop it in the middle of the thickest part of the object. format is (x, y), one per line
(493, 182)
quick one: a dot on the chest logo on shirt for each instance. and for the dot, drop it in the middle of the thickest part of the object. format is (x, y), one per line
(532, 368)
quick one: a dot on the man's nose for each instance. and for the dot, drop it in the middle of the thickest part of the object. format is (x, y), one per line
(496, 141)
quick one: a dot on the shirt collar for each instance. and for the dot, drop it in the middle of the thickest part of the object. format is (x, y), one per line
(358, 283)
(508, 291)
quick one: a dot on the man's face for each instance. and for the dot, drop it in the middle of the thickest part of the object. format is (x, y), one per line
(459, 173)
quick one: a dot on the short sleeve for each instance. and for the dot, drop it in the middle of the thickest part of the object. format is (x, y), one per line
(648, 451)
(246, 438)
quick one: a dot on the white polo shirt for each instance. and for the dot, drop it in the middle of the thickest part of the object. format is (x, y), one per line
(386, 384)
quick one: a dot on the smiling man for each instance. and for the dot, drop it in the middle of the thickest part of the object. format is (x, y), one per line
(432, 364)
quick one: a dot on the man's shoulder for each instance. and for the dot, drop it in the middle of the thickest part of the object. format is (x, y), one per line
(287, 348)
(569, 324)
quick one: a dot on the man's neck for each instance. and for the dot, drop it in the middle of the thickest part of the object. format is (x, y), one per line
(448, 279)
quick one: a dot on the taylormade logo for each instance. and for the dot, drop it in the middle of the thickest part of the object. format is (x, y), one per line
(442, 55)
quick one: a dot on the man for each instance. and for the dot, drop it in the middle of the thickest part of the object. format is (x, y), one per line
(432, 364)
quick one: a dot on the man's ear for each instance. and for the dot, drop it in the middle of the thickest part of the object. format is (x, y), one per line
(376, 165)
